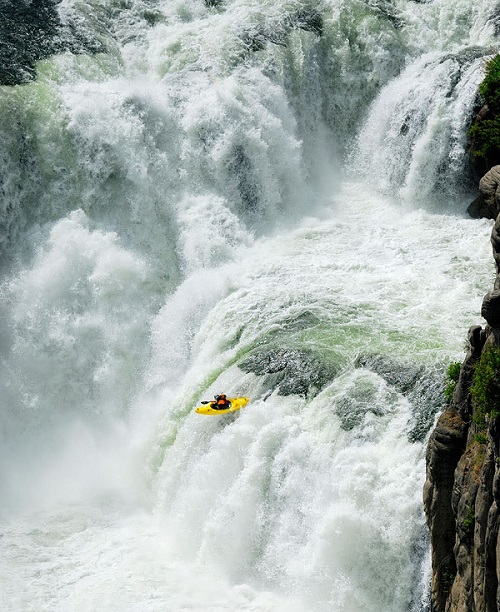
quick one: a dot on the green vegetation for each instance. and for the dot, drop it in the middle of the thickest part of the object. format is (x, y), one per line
(490, 87)
(485, 134)
(485, 137)
(485, 389)
(469, 518)
(480, 438)
(452, 374)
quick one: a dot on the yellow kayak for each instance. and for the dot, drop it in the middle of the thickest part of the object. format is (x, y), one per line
(236, 404)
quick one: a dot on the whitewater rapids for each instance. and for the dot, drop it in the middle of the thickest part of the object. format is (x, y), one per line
(227, 181)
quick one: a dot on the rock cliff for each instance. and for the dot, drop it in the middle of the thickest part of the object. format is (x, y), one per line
(462, 488)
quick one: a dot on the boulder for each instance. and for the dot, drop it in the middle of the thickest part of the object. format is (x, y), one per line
(487, 204)
(491, 308)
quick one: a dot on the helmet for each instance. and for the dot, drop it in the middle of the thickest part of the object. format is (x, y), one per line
(223, 395)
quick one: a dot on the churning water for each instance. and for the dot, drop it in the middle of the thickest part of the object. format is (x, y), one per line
(262, 198)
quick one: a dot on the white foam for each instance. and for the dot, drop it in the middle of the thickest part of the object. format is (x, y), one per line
(177, 204)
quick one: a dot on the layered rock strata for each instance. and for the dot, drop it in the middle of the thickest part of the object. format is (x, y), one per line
(462, 488)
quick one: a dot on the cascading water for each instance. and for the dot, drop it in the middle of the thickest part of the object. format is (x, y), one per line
(262, 198)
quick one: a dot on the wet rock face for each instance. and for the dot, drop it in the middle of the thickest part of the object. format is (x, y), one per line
(462, 489)
(27, 34)
(31, 30)
(422, 386)
(290, 371)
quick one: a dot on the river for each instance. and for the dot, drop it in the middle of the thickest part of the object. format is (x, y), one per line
(257, 198)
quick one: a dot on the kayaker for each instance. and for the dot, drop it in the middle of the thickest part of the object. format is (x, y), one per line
(221, 402)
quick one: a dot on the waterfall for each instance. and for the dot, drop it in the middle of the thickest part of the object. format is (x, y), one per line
(257, 198)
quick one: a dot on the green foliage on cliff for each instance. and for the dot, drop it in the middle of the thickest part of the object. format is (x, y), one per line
(480, 438)
(485, 134)
(485, 137)
(485, 389)
(452, 374)
(490, 87)
(469, 519)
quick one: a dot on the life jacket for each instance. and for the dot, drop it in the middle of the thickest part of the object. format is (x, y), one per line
(222, 401)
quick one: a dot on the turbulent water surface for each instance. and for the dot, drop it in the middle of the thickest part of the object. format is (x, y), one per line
(264, 198)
